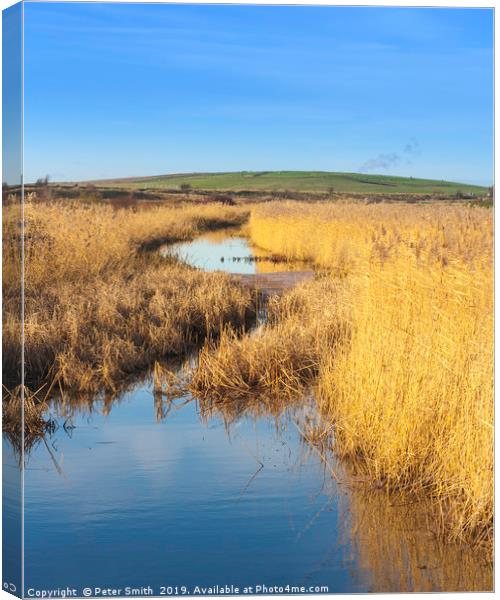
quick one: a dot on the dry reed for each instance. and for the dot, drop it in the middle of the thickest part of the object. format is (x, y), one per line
(278, 359)
(407, 376)
(410, 390)
(98, 306)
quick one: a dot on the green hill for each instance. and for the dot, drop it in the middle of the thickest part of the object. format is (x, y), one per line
(304, 181)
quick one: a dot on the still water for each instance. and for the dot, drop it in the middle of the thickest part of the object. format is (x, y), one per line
(230, 252)
(183, 502)
(139, 491)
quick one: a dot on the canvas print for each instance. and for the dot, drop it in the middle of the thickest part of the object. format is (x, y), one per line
(247, 299)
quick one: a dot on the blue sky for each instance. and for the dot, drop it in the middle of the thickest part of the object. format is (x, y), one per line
(127, 89)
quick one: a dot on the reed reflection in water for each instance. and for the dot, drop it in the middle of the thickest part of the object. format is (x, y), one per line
(396, 542)
(393, 536)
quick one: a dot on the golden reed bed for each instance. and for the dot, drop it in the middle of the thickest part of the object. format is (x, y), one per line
(411, 389)
(398, 329)
(98, 306)
(395, 333)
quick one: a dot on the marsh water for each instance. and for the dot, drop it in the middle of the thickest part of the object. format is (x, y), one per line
(229, 251)
(159, 495)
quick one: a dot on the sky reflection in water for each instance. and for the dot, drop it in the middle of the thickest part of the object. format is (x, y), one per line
(207, 251)
(174, 503)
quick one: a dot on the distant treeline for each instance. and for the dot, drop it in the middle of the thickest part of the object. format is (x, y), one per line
(122, 197)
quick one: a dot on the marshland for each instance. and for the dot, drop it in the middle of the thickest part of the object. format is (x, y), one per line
(312, 377)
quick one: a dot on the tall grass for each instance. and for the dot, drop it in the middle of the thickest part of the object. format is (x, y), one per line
(410, 387)
(277, 360)
(70, 241)
(354, 238)
(98, 305)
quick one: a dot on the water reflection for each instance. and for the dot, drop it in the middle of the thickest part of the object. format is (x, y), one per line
(154, 488)
(229, 251)
(397, 543)
(181, 502)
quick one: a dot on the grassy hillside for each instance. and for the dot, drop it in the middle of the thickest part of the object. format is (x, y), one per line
(318, 181)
